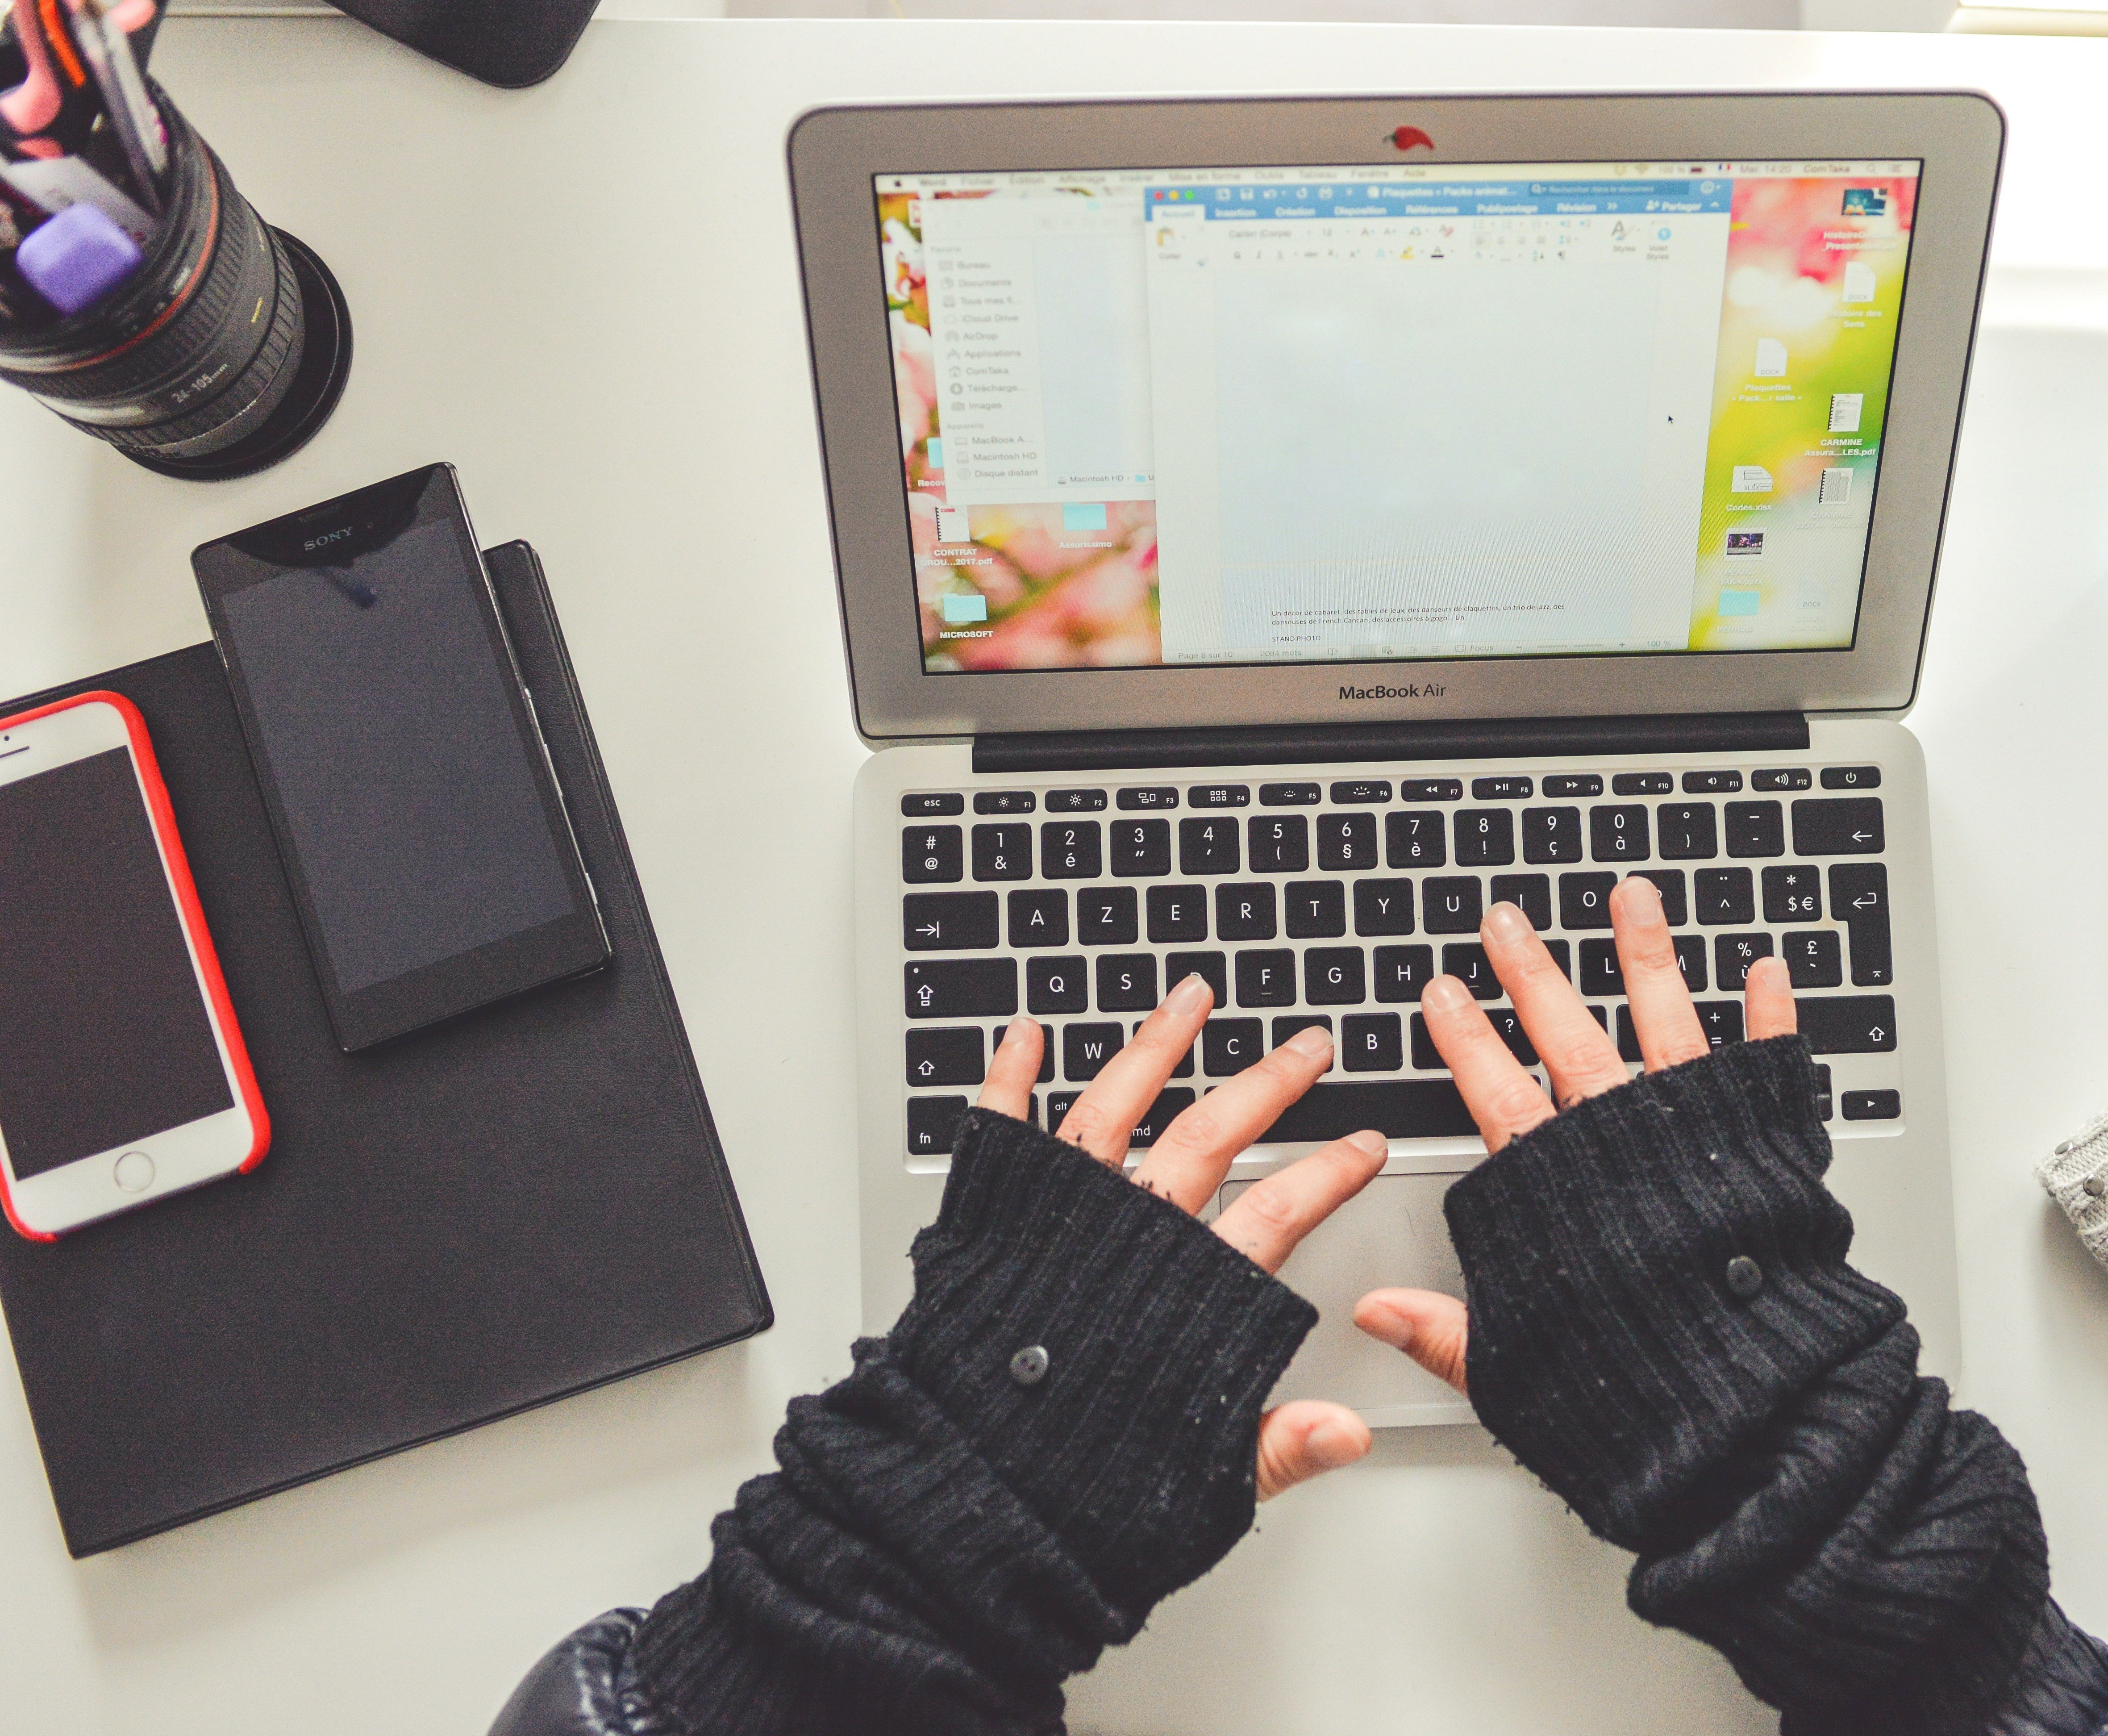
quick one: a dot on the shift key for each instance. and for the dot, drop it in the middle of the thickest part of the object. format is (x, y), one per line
(1848, 1024)
(1850, 827)
(961, 988)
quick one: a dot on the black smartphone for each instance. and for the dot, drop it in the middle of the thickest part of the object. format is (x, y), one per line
(415, 805)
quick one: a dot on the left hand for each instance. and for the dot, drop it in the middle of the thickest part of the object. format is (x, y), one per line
(1186, 1165)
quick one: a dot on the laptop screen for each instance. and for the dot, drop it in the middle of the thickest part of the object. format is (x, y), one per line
(1262, 416)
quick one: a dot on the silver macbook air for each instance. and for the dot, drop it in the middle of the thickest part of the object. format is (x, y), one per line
(1270, 531)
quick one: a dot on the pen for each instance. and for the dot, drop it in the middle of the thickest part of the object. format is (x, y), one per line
(131, 112)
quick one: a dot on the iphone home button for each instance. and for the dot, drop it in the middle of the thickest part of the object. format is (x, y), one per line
(135, 1172)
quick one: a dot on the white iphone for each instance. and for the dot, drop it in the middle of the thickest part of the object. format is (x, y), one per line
(123, 1075)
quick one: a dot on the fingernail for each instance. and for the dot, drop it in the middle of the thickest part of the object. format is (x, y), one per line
(1388, 1325)
(1190, 995)
(1445, 993)
(1369, 1140)
(1505, 922)
(1642, 900)
(1017, 1027)
(1333, 1444)
(1773, 968)
(1313, 1040)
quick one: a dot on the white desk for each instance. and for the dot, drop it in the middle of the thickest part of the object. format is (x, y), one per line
(585, 296)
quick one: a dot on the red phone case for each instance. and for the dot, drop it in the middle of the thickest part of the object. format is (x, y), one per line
(163, 814)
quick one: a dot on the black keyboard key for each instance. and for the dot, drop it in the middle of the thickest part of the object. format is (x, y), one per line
(1850, 827)
(1267, 978)
(1669, 883)
(1550, 834)
(1177, 914)
(1039, 917)
(1412, 840)
(1430, 789)
(1070, 849)
(1004, 801)
(1813, 958)
(1688, 831)
(1215, 968)
(950, 1057)
(1229, 1046)
(1280, 846)
(1562, 955)
(1485, 837)
(1402, 971)
(1334, 976)
(1851, 777)
(1587, 783)
(1500, 789)
(1873, 1106)
(1453, 904)
(1426, 1057)
(1141, 847)
(1859, 899)
(1848, 1024)
(1105, 917)
(1618, 834)
(1346, 843)
(1397, 1108)
(1086, 1049)
(1057, 983)
(1075, 802)
(1383, 907)
(1315, 909)
(1601, 1016)
(1289, 795)
(931, 852)
(1793, 893)
(1363, 792)
(948, 922)
(1059, 1103)
(1531, 894)
(921, 807)
(1721, 1020)
(1245, 911)
(1711, 783)
(1822, 1106)
(1690, 961)
(1468, 963)
(1048, 1045)
(1286, 1028)
(960, 987)
(1725, 896)
(1782, 777)
(1147, 800)
(933, 1124)
(1208, 846)
(1219, 796)
(1372, 1043)
(1507, 1024)
(1755, 828)
(1600, 971)
(1643, 783)
(1127, 982)
(1733, 954)
(1003, 852)
(1170, 1103)
(1629, 1038)
(1584, 900)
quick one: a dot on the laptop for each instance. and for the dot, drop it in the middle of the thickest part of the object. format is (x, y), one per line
(1268, 532)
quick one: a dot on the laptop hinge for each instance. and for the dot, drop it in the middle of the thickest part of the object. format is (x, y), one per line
(1458, 738)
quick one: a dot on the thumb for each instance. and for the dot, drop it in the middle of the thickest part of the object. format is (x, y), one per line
(1298, 1440)
(1429, 1327)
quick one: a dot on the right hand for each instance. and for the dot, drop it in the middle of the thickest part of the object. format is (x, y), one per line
(1579, 1058)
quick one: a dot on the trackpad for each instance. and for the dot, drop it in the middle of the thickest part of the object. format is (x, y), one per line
(1390, 1234)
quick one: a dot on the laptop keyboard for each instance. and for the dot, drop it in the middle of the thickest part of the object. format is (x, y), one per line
(1333, 902)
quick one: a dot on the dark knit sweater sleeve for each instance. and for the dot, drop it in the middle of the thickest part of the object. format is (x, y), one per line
(1867, 1558)
(943, 1543)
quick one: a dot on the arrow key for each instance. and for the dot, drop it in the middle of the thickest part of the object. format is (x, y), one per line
(950, 1057)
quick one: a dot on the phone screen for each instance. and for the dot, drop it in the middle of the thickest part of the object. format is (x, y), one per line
(105, 1038)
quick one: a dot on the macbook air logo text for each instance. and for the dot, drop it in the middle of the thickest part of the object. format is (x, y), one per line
(1405, 137)
(325, 540)
(1411, 690)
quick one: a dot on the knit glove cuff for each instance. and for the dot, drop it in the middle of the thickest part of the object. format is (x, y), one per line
(1648, 1273)
(1137, 1445)
(2075, 1175)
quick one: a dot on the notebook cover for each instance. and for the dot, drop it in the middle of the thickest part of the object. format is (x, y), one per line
(515, 1205)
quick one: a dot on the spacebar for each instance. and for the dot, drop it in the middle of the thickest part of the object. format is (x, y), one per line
(1397, 1108)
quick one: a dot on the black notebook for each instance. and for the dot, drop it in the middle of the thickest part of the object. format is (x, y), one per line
(505, 1209)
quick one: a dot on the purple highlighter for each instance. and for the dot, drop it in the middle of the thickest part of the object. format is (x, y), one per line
(76, 259)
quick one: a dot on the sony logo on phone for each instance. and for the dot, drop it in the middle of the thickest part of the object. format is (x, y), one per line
(327, 538)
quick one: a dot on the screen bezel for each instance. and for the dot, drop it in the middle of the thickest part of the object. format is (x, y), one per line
(835, 154)
(509, 965)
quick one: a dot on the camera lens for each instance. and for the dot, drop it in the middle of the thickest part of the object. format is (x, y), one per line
(222, 354)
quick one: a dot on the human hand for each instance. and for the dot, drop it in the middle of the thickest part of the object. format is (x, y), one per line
(1186, 1165)
(1580, 1060)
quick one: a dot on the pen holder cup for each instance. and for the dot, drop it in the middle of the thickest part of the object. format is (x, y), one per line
(222, 354)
